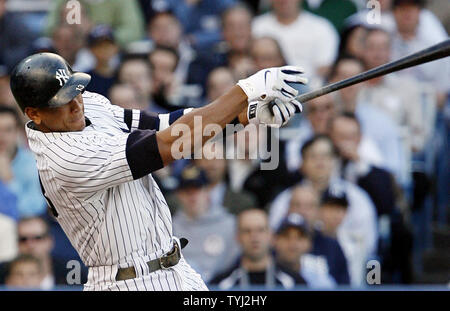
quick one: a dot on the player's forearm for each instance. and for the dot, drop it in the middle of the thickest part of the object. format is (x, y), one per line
(220, 112)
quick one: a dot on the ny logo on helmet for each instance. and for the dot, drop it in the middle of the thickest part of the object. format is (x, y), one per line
(62, 76)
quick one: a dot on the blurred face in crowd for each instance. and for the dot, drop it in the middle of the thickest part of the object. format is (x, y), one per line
(24, 274)
(286, 8)
(266, 53)
(137, 73)
(290, 244)
(220, 80)
(318, 161)
(242, 66)
(319, 113)
(355, 42)
(163, 65)
(254, 235)
(305, 201)
(124, 95)
(8, 133)
(67, 41)
(332, 216)
(237, 29)
(6, 96)
(194, 200)
(104, 51)
(346, 135)
(385, 5)
(407, 17)
(345, 69)
(34, 238)
(377, 49)
(65, 118)
(165, 29)
(215, 167)
(2, 7)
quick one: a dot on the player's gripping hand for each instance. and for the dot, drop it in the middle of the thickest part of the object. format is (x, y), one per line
(271, 83)
(272, 113)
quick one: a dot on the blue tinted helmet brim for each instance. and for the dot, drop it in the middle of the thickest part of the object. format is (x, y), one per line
(75, 85)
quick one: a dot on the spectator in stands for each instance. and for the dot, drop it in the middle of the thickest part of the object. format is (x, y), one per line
(266, 52)
(208, 227)
(102, 45)
(352, 36)
(220, 80)
(8, 225)
(412, 107)
(164, 29)
(125, 96)
(14, 47)
(252, 151)
(257, 265)
(69, 42)
(17, 165)
(333, 208)
(317, 115)
(236, 29)
(325, 257)
(137, 72)
(234, 45)
(407, 39)
(306, 39)
(400, 98)
(214, 164)
(357, 164)
(24, 272)
(166, 89)
(6, 96)
(241, 65)
(293, 240)
(124, 17)
(375, 123)
(200, 19)
(35, 239)
(358, 233)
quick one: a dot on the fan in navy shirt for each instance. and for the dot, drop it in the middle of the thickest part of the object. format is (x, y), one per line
(103, 47)
(257, 265)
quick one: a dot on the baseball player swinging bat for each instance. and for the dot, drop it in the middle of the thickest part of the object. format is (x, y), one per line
(432, 53)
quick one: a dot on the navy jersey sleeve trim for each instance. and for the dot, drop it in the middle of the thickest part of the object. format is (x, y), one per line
(175, 115)
(142, 153)
(148, 121)
(128, 117)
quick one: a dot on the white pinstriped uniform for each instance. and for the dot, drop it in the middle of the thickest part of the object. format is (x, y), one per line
(110, 218)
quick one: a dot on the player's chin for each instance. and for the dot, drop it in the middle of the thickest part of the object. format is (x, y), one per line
(78, 124)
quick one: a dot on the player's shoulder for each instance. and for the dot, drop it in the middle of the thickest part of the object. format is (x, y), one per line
(93, 98)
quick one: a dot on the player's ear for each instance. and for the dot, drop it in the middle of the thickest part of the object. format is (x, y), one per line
(33, 114)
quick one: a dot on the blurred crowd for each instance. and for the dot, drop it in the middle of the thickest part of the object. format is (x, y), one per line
(363, 173)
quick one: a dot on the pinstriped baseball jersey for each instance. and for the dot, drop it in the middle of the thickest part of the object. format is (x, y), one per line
(98, 183)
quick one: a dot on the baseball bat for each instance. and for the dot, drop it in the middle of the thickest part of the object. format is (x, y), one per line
(432, 53)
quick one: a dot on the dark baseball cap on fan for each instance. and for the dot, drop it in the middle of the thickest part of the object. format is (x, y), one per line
(192, 176)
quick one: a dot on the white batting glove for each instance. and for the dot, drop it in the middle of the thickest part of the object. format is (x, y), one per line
(272, 113)
(271, 83)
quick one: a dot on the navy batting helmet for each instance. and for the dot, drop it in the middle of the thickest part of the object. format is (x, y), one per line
(46, 80)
